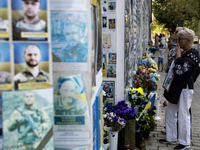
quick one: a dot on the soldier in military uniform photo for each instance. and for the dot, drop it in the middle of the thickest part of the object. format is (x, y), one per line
(73, 100)
(76, 50)
(30, 22)
(30, 121)
(32, 72)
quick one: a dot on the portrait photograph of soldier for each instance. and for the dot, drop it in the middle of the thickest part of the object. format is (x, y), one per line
(108, 92)
(112, 58)
(111, 70)
(28, 120)
(31, 65)
(69, 37)
(112, 6)
(112, 24)
(29, 20)
(5, 66)
(4, 24)
(71, 97)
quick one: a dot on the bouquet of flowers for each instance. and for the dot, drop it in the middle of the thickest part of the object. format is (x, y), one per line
(122, 110)
(136, 98)
(112, 120)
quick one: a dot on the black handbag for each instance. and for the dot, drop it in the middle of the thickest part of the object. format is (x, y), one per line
(174, 93)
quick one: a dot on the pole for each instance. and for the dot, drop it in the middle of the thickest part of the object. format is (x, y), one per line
(199, 26)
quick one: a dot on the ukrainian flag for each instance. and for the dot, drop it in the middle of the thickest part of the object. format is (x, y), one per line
(150, 103)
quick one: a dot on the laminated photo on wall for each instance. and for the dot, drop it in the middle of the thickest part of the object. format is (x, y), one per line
(108, 92)
(71, 111)
(106, 43)
(29, 20)
(31, 72)
(105, 23)
(111, 6)
(69, 40)
(28, 119)
(112, 58)
(5, 67)
(111, 70)
(112, 24)
(4, 24)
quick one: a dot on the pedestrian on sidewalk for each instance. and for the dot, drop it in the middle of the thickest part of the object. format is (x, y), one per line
(181, 92)
(161, 53)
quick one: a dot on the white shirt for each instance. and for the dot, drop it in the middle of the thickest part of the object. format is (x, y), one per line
(161, 52)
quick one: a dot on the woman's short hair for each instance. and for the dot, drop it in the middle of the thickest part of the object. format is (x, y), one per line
(188, 34)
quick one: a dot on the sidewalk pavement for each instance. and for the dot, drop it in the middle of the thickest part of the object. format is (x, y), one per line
(152, 143)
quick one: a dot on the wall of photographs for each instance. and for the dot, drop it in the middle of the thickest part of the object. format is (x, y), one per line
(135, 29)
(50, 74)
(109, 45)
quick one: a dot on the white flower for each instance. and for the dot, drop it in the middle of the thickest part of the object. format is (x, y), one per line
(134, 96)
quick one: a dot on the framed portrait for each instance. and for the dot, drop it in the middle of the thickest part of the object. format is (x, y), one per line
(104, 22)
(36, 123)
(112, 58)
(111, 70)
(39, 65)
(25, 22)
(169, 77)
(4, 23)
(112, 6)
(77, 103)
(112, 24)
(109, 92)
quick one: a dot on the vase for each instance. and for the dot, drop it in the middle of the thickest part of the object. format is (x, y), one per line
(157, 104)
(146, 134)
(130, 133)
(139, 136)
(113, 140)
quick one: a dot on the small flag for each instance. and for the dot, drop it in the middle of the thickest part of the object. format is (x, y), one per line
(150, 103)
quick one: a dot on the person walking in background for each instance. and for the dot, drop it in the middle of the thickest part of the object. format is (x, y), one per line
(163, 40)
(161, 52)
(156, 40)
(181, 91)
